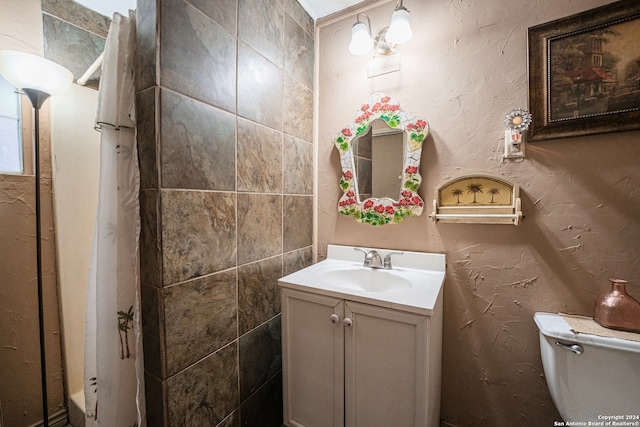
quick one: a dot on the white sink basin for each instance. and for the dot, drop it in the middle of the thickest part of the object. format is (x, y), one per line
(366, 279)
(414, 283)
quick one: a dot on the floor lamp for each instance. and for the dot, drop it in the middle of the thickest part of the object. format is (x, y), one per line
(39, 79)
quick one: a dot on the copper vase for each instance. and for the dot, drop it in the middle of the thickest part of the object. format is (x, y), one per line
(616, 309)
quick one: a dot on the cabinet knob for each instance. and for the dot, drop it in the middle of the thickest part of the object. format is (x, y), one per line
(348, 322)
(334, 318)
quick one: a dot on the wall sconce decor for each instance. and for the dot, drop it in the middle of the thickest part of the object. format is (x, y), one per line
(38, 78)
(516, 123)
(385, 42)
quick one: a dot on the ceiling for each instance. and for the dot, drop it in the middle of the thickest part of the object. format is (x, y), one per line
(316, 8)
(320, 8)
(108, 7)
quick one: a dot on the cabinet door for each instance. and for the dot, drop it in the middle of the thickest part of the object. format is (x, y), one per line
(385, 367)
(312, 359)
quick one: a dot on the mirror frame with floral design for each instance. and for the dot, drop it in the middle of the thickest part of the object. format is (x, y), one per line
(381, 211)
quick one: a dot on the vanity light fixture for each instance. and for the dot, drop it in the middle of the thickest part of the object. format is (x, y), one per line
(38, 78)
(399, 31)
(361, 41)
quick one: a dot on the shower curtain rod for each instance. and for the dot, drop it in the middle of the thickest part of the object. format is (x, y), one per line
(92, 69)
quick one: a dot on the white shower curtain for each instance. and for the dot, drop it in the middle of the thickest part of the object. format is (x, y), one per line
(114, 381)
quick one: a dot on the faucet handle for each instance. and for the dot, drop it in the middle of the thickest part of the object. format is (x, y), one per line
(387, 259)
(361, 250)
(371, 258)
(367, 256)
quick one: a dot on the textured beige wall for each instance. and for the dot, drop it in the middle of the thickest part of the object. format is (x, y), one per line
(21, 26)
(464, 69)
(21, 29)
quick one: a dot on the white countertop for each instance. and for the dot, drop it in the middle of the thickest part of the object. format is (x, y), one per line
(425, 271)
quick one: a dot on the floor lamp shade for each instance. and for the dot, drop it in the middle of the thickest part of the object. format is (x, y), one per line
(27, 71)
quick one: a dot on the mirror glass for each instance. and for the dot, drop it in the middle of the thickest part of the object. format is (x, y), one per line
(380, 158)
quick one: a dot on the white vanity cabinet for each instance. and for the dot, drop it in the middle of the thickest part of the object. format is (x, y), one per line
(349, 363)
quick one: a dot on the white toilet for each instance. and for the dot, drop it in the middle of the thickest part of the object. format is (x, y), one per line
(589, 377)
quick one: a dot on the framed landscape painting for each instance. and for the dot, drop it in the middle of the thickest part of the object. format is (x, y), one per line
(584, 73)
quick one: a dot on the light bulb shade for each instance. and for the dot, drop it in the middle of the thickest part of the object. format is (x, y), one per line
(27, 71)
(361, 41)
(399, 30)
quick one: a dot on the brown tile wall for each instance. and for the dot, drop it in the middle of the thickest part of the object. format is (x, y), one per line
(74, 36)
(225, 97)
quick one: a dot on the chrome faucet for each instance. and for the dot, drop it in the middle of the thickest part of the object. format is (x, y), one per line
(387, 260)
(373, 259)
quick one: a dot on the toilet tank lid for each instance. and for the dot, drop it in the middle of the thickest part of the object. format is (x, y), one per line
(554, 326)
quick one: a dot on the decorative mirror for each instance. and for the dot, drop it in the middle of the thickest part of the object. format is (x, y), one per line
(380, 158)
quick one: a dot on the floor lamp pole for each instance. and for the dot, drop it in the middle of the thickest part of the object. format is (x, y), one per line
(37, 98)
(38, 78)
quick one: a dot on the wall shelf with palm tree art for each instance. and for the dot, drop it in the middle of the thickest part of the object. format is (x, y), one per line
(479, 198)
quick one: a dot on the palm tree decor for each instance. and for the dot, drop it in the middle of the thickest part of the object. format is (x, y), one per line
(124, 324)
(457, 193)
(494, 192)
(94, 383)
(474, 189)
(477, 198)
